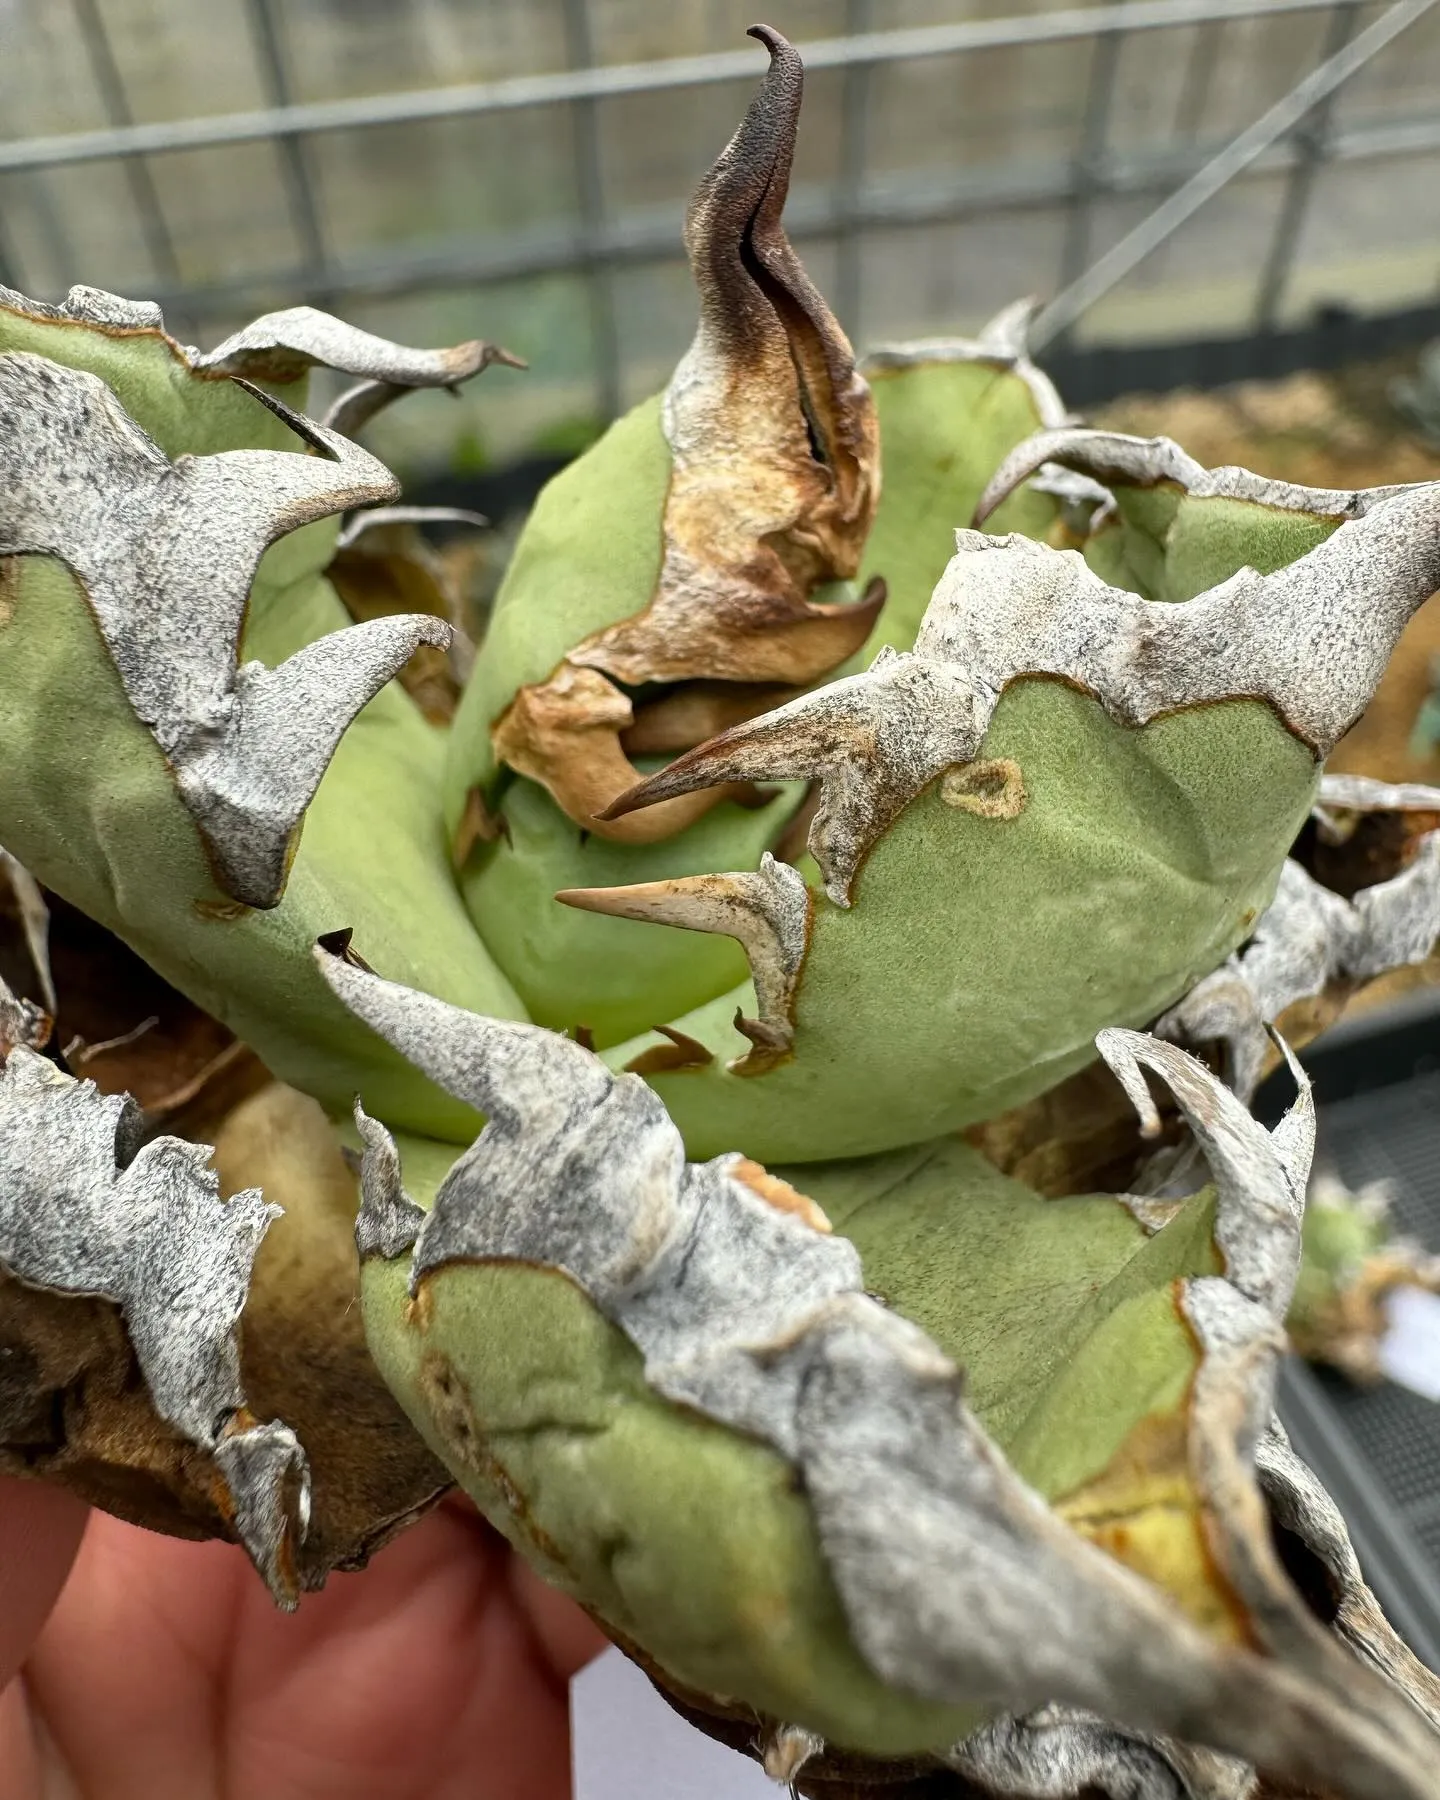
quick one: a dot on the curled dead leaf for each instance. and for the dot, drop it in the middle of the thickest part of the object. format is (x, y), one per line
(774, 481)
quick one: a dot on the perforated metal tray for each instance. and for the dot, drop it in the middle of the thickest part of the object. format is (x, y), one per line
(1378, 1449)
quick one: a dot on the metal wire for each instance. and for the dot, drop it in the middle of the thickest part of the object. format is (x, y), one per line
(641, 238)
(1089, 180)
(154, 228)
(590, 192)
(1237, 156)
(871, 49)
(292, 150)
(1295, 202)
(854, 156)
(1293, 135)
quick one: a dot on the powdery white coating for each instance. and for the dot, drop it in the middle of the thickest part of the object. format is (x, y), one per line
(1259, 1176)
(87, 1208)
(1311, 639)
(1003, 343)
(166, 553)
(89, 306)
(1362, 793)
(21, 1022)
(1055, 1753)
(355, 528)
(766, 910)
(1115, 457)
(1307, 940)
(269, 1480)
(389, 1221)
(957, 1581)
(281, 346)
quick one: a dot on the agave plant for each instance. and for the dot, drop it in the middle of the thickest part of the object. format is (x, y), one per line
(820, 1292)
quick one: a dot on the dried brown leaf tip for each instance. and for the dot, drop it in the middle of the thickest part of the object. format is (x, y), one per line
(566, 734)
(774, 480)
(773, 436)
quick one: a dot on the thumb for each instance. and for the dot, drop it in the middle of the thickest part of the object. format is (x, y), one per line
(40, 1531)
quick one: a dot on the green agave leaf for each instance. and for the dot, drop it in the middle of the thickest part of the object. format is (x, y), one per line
(981, 956)
(576, 968)
(949, 411)
(1110, 827)
(153, 828)
(1177, 528)
(685, 1538)
(589, 555)
(580, 1310)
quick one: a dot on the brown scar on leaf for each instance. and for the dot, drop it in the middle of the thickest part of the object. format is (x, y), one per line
(478, 825)
(992, 789)
(682, 1052)
(774, 473)
(778, 1193)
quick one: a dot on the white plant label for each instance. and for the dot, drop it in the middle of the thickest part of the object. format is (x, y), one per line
(627, 1744)
(1410, 1348)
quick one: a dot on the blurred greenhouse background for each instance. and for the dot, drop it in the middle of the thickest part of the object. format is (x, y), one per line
(518, 169)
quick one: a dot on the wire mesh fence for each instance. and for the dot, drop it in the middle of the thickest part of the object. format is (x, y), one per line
(519, 168)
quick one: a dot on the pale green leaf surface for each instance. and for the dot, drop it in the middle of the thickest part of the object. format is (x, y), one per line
(88, 805)
(981, 956)
(689, 1538)
(580, 968)
(944, 429)
(588, 557)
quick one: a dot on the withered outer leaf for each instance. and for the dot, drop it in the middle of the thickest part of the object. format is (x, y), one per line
(1311, 639)
(1301, 1506)
(774, 478)
(1057, 1753)
(1115, 456)
(165, 553)
(86, 1209)
(303, 1356)
(1312, 948)
(958, 1582)
(383, 565)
